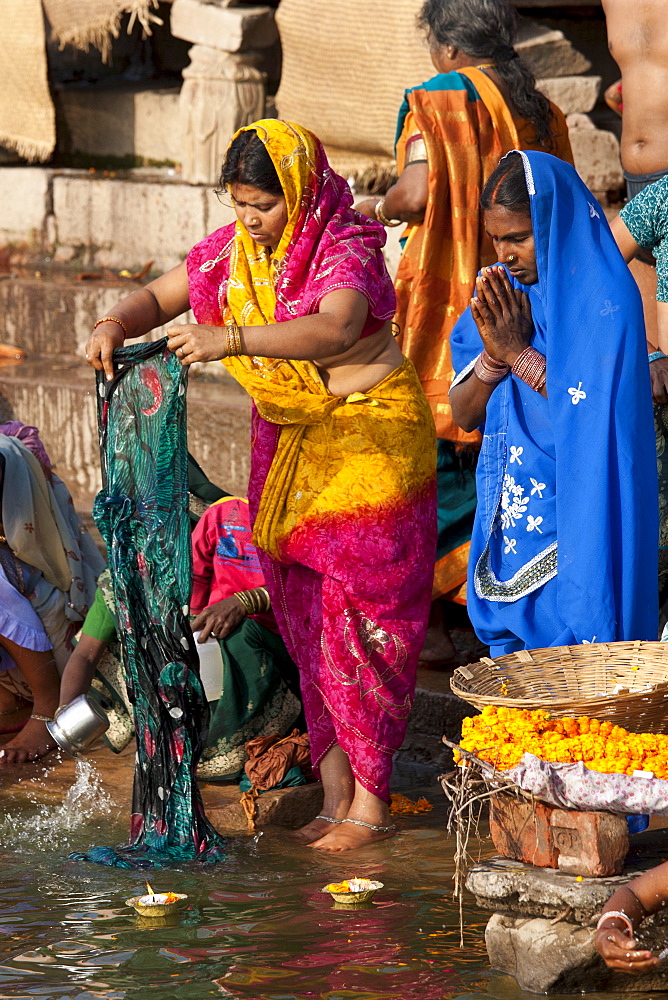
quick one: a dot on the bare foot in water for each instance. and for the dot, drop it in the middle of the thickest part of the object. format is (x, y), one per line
(315, 830)
(33, 742)
(350, 837)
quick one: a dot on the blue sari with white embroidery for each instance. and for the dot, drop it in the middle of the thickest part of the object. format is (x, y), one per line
(565, 540)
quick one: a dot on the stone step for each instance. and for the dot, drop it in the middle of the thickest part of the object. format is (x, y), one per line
(57, 395)
(87, 221)
(106, 219)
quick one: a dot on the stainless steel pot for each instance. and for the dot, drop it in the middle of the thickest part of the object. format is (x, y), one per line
(77, 725)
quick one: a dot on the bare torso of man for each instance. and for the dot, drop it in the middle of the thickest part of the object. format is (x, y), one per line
(638, 42)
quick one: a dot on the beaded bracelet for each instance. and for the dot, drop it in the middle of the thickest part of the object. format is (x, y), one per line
(112, 319)
(655, 355)
(619, 915)
(233, 340)
(530, 366)
(489, 370)
(382, 218)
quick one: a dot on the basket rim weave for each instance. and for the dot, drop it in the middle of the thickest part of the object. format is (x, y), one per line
(589, 675)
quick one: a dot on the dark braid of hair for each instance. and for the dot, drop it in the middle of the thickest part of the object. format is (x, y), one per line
(507, 186)
(484, 30)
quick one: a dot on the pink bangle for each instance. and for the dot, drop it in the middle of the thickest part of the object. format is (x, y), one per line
(531, 367)
(489, 370)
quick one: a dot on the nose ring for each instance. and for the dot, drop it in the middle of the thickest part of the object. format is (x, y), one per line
(511, 258)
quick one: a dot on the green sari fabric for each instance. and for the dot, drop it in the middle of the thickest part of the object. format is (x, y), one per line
(142, 514)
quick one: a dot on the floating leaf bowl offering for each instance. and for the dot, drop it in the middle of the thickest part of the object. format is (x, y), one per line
(353, 891)
(156, 904)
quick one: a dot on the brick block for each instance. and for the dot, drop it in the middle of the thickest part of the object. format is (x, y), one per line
(591, 844)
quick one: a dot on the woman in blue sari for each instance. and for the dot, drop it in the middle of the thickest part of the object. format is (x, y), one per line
(551, 361)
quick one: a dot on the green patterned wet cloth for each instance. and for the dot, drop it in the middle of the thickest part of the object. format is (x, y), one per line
(142, 514)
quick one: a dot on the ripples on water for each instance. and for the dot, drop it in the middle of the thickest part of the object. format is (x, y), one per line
(258, 927)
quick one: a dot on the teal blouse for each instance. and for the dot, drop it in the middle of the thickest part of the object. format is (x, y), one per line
(646, 218)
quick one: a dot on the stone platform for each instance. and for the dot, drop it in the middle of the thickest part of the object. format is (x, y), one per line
(543, 923)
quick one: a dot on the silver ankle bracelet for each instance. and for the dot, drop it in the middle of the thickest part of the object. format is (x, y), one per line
(329, 819)
(370, 826)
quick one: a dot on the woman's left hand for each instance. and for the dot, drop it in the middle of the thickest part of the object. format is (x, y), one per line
(195, 342)
(219, 619)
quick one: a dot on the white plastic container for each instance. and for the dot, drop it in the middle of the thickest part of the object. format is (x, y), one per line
(210, 667)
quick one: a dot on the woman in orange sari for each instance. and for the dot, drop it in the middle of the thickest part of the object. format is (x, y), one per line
(452, 131)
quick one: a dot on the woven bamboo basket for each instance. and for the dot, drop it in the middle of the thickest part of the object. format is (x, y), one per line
(623, 682)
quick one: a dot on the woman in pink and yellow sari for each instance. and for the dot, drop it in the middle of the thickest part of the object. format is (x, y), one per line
(342, 486)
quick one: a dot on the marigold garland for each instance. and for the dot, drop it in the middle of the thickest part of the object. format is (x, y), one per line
(501, 735)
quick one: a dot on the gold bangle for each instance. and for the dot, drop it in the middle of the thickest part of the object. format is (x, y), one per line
(112, 319)
(382, 218)
(254, 601)
(233, 340)
(242, 597)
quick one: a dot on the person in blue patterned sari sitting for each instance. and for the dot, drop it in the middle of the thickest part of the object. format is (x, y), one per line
(552, 364)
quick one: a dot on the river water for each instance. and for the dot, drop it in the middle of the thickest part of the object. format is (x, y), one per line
(257, 927)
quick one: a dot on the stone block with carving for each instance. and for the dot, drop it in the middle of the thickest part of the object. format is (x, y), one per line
(217, 24)
(591, 844)
(221, 92)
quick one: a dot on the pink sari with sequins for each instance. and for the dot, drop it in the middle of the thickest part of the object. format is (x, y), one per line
(352, 521)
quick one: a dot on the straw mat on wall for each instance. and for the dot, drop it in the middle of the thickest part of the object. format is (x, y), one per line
(27, 118)
(27, 115)
(95, 22)
(346, 65)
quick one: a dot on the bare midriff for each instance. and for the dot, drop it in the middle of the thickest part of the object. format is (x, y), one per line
(364, 365)
(638, 42)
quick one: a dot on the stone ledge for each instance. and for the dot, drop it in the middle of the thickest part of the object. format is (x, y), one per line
(107, 222)
(286, 807)
(508, 886)
(222, 27)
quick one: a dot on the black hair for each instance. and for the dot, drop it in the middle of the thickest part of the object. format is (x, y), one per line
(248, 162)
(484, 30)
(507, 186)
